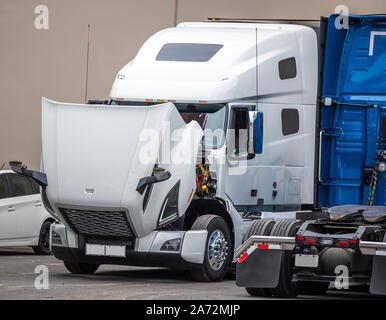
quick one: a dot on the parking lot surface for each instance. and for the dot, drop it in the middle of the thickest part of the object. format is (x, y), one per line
(18, 277)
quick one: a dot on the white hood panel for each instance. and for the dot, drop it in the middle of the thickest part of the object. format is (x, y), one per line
(93, 157)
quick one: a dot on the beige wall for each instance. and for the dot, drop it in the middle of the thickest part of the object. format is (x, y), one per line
(52, 63)
(273, 9)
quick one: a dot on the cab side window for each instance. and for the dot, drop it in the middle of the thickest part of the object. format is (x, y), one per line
(4, 191)
(21, 186)
(289, 121)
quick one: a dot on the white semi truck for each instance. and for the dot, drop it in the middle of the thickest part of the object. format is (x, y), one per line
(132, 183)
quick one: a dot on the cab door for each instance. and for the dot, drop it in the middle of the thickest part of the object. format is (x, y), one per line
(241, 176)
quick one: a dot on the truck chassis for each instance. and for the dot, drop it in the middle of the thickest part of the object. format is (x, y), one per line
(349, 237)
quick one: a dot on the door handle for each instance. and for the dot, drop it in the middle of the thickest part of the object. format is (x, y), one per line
(11, 209)
(38, 204)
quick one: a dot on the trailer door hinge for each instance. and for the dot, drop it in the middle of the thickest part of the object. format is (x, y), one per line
(327, 101)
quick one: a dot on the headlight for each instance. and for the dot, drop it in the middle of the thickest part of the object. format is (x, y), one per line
(169, 209)
(55, 238)
(58, 235)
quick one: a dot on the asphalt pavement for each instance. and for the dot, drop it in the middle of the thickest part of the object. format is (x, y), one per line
(21, 277)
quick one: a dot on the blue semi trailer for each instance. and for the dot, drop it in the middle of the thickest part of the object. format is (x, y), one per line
(348, 240)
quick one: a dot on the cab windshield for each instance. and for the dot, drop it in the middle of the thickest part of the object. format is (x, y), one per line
(210, 116)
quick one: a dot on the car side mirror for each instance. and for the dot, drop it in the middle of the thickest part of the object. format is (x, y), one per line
(255, 143)
(17, 166)
(20, 168)
(158, 175)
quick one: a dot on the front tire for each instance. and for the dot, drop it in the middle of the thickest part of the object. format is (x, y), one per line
(217, 248)
(43, 247)
(81, 268)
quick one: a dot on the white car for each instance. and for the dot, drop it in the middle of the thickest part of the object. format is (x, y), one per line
(23, 219)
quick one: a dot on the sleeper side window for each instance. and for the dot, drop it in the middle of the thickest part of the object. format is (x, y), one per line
(289, 121)
(287, 68)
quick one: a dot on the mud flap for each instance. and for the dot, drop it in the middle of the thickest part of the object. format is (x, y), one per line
(261, 269)
(378, 276)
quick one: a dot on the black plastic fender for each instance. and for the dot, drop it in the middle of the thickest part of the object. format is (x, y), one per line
(266, 275)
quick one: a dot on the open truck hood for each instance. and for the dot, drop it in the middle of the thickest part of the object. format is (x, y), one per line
(95, 155)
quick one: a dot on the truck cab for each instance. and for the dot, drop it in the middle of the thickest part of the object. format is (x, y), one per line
(226, 75)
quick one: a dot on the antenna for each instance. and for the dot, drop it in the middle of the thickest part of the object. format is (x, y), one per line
(88, 50)
(2, 166)
(175, 12)
(257, 74)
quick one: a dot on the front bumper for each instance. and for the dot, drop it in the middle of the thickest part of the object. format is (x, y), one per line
(142, 259)
(148, 251)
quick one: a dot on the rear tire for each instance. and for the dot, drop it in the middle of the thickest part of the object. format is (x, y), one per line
(286, 288)
(43, 247)
(262, 227)
(213, 269)
(81, 268)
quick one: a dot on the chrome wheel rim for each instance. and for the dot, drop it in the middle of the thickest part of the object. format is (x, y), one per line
(217, 249)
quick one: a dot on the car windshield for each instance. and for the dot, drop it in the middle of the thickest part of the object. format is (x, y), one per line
(210, 116)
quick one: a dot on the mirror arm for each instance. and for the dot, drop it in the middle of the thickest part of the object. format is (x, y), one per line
(39, 177)
(20, 168)
(143, 182)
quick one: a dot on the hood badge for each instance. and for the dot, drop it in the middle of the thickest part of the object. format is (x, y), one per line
(89, 191)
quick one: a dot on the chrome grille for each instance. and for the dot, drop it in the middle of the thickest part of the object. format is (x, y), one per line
(110, 224)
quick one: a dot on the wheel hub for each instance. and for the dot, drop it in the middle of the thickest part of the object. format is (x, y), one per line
(217, 249)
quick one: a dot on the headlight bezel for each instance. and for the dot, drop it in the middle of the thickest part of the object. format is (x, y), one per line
(169, 208)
